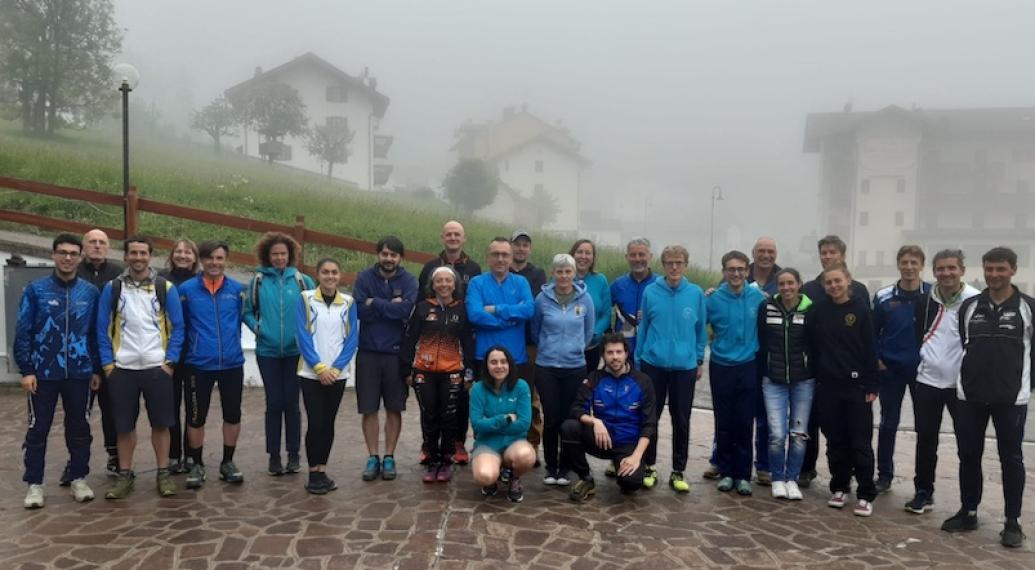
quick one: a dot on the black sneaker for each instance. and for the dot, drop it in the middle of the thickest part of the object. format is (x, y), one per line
(113, 466)
(515, 493)
(806, 477)
(275, 468)
(178, 466)
(318, 483)
(961, 522)
(1012, 536)
(66, 475)
(505, 475)
(920, 503)
(883, 485)
(294, 464)
(230, 473)
(491, 490)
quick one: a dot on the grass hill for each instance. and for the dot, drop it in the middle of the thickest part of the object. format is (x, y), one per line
(191, 174)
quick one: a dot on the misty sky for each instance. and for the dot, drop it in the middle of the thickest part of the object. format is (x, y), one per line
(670, 96)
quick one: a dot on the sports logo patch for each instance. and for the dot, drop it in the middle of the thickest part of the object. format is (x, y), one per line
(850, 320)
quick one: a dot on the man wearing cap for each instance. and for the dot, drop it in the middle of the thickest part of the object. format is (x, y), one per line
(521, 243)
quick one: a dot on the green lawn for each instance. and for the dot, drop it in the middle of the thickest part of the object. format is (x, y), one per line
(193, 175)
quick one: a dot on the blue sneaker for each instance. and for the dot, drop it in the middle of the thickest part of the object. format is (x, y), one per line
(388, 468)
(373, 468)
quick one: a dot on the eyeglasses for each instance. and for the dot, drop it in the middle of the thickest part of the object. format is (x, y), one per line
(68, 254)
(672, 263)
(736, 270)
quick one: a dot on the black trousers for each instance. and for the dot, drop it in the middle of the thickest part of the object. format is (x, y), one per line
(321, 409)
(678, 387)
(438, 394)
(107, 419)
(578, 440)
(812, 443)
(178, 433)
(971, 423)
(848, 427)
(929, 403)
(557, 390)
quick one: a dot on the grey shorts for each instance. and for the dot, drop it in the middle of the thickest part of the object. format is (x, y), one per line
(378, 378)
(126, 387)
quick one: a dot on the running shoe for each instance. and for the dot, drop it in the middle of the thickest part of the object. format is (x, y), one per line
(230, 473)
(863, 508)
(562, 479)
(883, 484)
(650, 477)
(712, 472)
(460, 455)
(921, 502)
(1012, 536)
(677, 482)
(164, 483)
(196, 476)
(34, 498)
(491, 490)
(582, 490)
(81, 492)
(793, 492)
(445, 473)
(388, 468)
(275, 468)
(779, 489)
(430, 473)
(122, 487)
(294, 464)
(837, 500)
(373, 468)
(515, 492)
(961, 522)
(505, 475)
(764, 478)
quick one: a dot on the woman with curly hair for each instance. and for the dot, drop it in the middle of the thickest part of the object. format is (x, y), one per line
(269, 311)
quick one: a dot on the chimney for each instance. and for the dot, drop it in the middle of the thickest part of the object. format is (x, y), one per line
(258, 71)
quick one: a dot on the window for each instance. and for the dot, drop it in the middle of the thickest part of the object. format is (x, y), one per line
(338, 122)
(865, 188)
(538, 166)
(1023, 187)
(880, 258)
(337, 94)
(864, 218)
(900, 185)
(900, 219)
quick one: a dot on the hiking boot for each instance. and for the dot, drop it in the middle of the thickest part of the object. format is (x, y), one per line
(123, 486)
(725, 484)
(196, 476)
(744, 487)
(515, 492)
(793, 492)
(863, 508)
(1012, 536)
(583, 489)
(373, 468)
(712, 472)
(837, 500)
(490, 491)
(445, 473)
(230, 473)
(677, 482)
(920, 503)
(164, 483)
(961, 522)
(779, 489)
(460, 455)
(883, 485)
(34, 498)
(66, 475)
(294, 464)
(430, 473)
(650, 477)
(806, 478)
(388, 468)
(764, 478)
(275, 468)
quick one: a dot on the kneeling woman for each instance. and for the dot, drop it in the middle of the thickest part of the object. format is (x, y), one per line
(501, 411)
(328, 335)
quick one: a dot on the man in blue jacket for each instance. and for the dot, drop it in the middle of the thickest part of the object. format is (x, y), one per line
(733, 315)
(670, 343)
(56, 351)
(499, 303)
(898, 352)
(627, 290)
(213, 305)
(385, 295)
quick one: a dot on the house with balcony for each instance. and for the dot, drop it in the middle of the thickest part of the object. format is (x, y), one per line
(331, 97)
(539, 166)
(958, 178)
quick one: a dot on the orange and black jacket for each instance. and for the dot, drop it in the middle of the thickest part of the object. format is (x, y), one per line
(438, 339)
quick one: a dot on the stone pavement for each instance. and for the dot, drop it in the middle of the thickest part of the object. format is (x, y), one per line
(272, 522)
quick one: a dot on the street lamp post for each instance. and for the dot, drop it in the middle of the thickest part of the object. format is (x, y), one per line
(716, 196)
(127, 78)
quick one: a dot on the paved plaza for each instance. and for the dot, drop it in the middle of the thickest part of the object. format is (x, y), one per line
(272, 522)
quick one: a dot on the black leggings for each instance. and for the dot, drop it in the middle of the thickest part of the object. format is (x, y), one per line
(321, 408)
(178, 433)
(438, 395)
(231, 386)
(557, 390)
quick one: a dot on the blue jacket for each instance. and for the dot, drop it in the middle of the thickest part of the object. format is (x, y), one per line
(671, 334)
(273, 321)
(213, 324)
(625, 403)
(55, 337)
(381, 323)
(893, 323)
(734, 320)
(627, 296)
(598, 289)
(514, 306)
(489, 410)
(562, 333)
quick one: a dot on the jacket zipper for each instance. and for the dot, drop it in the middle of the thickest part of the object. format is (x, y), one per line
(68, 303)
(219, 331)
(280, 301)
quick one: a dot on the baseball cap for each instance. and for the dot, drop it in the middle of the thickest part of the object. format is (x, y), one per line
(519, 234)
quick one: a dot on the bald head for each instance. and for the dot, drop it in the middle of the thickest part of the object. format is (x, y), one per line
(764, 253)
(453, 237)
(95, 246)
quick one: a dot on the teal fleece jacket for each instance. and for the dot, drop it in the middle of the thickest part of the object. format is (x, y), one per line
(489, 411)
(273, 321)
(734, 321)
(671, 335)
(600, 291)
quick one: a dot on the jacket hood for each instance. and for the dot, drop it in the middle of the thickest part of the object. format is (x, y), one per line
(725, 291)
(804, 304)
(683, 284)
(271, 271)
(579, 287)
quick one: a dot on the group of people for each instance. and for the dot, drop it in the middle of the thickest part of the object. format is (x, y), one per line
(560, 360)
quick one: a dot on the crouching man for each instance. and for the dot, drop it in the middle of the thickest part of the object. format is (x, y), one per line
(612, 418)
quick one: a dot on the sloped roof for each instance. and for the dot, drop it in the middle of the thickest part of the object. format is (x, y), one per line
(514, 132)
(311, 59)
(987, 120)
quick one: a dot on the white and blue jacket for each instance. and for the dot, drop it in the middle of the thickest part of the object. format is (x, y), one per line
(327, 335)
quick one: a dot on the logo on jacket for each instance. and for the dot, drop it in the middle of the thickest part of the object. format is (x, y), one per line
(53, 303)
(688, 313)
(432, 317)
(850, 320)
(580, 310)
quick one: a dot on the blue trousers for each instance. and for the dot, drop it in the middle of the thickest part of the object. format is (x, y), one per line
(75, 400)
(892, 390)
(281, 384)
(787, 412)
(735, 401)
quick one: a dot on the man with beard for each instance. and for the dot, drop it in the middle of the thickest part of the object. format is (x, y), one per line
(384, 294)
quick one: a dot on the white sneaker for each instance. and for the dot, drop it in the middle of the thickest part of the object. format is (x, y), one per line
(34, 498)
(549, 480)
(81, 491)
(563, 481)
(863, 508)
(837, 500)
(793, 492)
(779, 490)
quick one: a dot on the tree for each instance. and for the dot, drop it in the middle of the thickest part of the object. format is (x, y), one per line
(217, 119)
(470, 185)
(274, 110)
(55, 56)
(330, 144)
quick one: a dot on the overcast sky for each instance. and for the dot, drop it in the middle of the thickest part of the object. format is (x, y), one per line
(672, 96)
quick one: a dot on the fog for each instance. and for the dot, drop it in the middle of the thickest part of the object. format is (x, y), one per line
(667, 98)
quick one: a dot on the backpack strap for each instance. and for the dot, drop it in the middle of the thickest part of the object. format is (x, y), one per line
(116, 294)
(253, 292)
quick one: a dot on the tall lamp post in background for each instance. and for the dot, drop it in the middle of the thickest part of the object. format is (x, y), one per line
(716, 196)
(127, 78)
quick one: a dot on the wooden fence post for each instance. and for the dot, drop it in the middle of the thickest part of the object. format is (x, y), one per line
(299, 235)
(132, 213)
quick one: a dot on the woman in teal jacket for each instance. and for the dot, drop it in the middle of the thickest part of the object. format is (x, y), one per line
(585, 254)
(269, 311)
(501, 412)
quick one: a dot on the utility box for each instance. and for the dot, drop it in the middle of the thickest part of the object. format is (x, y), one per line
(16, 278)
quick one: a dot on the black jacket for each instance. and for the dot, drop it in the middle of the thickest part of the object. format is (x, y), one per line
(815, 291)
(784, 346)
(437, 339)
(844, 348)
(997, 349)
(99, 276)
(465, 267)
